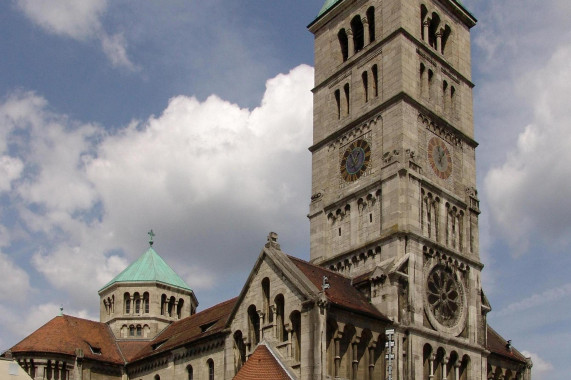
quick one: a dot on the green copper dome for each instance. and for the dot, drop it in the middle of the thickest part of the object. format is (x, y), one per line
(150, 267)
(328, 5)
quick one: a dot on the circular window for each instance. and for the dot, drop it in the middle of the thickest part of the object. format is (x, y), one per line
(445, 300)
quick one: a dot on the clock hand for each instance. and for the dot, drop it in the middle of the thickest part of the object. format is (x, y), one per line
(355, 156)
(352, 159)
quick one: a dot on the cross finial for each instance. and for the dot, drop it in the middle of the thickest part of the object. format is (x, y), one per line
(61, 310)
(151, 236)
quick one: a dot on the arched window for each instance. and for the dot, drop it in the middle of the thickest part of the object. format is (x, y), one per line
(131, 330)
(189, 372)
(210, 364)
(452, 361)
(157, 377)
(433, 30)
(266, 299)
(139, 330)
(137, 300)
(171, 306)
(439, 368)
(375, 71)
(445, 99)
(465, 368)
(163, 304)
(253, 326)
(338, 101)
(179, 308)
(281, 335)
(344, 44)
(358, 33)
(295, 319)
(127, 303)
(452, 101)
(146, 302)
(365, 79)
(347, 100)
(445, 35)
(430, 83)
(426, 359)
(371, 20)
(423, 22)
(239, 351)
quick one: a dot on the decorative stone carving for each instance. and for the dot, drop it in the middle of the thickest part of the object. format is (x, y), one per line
(445, 299)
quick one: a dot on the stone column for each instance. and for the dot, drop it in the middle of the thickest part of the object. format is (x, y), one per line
(443, 368)
(371, 360)
(457, 369)
(337, 340)
(425, 26)
(355, 358)
(366, 36)
(438, 41)
(350, 43)
(288, 336)
(431, 369)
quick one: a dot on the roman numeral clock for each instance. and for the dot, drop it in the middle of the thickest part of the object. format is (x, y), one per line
(439, 158)
(355, 160)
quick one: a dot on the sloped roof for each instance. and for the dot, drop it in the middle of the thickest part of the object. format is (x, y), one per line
(341, 292)
(262, 364)
(150, 267)
(193, 328)
(498, 345)
(63, 334)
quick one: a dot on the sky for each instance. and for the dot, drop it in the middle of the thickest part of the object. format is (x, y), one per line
(193, 118)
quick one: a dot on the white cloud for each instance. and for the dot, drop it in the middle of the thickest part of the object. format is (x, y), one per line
(23, 322)
(81, 21)
(10, 169)
(198, 173)
(528, 194)
(15, 278)
(536, 300)
(540, 367)
(115, 47)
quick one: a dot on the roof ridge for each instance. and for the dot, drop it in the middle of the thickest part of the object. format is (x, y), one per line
(277, 358)
(319, 267)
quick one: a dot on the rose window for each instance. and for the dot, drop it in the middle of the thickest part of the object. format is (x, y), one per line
(444, 297)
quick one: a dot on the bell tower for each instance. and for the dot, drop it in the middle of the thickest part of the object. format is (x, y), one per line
(394, 198)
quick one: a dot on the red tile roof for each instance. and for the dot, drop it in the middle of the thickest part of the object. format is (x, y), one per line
(498, 345)
(341, 292)
(131, 348)
(262, 365)
(65, 333)
(195, 327)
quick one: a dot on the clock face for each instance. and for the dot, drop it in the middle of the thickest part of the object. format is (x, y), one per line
(439, 158)
(355, 160)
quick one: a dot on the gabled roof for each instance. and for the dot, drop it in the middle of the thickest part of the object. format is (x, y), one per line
(64, 334)
(341, 292)
(190, 329)
(262, 364)
(499, 346)
(150, 267)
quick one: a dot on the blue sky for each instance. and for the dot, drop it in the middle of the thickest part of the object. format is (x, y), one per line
(193, 118)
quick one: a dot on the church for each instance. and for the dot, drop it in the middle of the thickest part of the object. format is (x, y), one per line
(392, 289)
